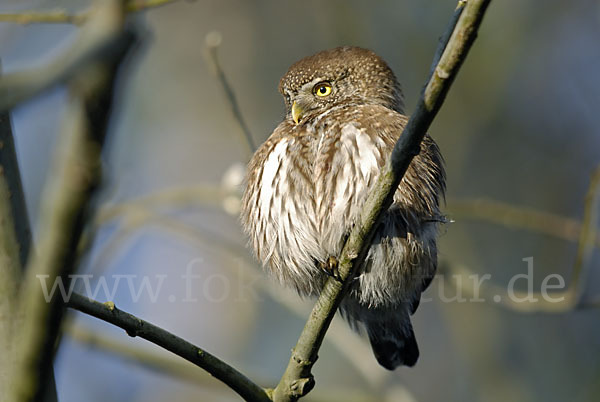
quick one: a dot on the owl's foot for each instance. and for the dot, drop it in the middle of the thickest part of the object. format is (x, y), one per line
(330, 267)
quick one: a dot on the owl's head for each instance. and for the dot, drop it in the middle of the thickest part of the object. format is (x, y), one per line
(344, 75)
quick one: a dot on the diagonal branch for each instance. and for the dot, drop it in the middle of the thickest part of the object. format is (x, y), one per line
(297, 379)
(63, 17)
(135, 326)
(158, 361)
(14, 198)
(15, 240)
(212, 43)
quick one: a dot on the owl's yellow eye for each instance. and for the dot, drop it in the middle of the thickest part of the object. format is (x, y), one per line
(322, 89)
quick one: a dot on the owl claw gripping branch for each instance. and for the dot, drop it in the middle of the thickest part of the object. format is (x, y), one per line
(307, 183)
(330, 267)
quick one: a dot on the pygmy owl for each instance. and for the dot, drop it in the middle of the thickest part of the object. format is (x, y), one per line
(306, 185)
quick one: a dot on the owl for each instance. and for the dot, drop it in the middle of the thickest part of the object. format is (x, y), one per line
(306, 185)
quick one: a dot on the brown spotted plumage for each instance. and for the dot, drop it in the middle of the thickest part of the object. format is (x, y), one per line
(307, 184)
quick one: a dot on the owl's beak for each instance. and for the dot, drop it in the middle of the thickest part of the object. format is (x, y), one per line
(296, 112)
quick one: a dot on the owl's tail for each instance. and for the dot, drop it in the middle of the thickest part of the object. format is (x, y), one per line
(393, 341)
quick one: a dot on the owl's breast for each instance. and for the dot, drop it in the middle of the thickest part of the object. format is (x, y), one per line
(279, 211)
(347, 164)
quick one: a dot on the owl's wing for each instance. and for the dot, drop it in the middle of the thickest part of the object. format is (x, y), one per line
(420, 192)
(424, 183)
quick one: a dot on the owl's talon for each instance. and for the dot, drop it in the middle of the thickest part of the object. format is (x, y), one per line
(330, 267)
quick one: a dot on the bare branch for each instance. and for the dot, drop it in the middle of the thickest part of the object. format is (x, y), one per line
(203, 194)
(12, 253)
(135, 326)
(14, 197)
(156, 360)
(48, 17)
(572, 296)
(63, 17)
(213, 41)
(589, 233)
(141, 5)
(518, 217)
(297, 380)
(15, 244)
(94, 42)
(76, 172)
(443, 41)
(76, 175)
(163, 362)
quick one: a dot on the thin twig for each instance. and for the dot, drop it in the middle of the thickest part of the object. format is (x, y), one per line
(555, 302)
(517, 217)
(135, 326)
(63, 17)
(47, 17)
(589, 233)
(158, 360)
(204, 194)
(92, 44)
(297, 379)
(141, 5)
(212, 43)
(443, 41)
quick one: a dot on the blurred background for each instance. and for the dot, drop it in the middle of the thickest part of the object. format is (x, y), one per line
(518, 128)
